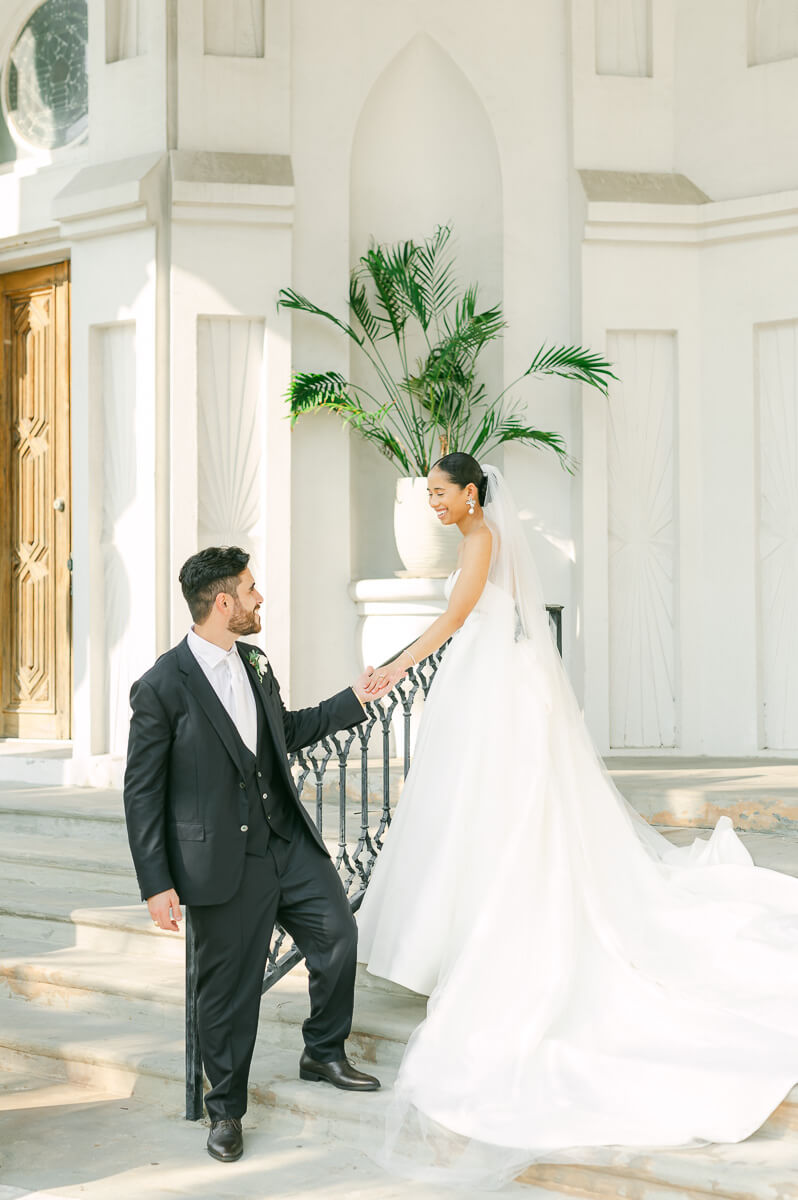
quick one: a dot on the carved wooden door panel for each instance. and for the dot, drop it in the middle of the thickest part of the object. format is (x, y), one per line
(35, 635)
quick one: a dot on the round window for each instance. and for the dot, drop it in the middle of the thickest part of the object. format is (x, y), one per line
(45, 82)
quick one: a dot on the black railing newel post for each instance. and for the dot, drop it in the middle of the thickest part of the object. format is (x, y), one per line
(193, 1056)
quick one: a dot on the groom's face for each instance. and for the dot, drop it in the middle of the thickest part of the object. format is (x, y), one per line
(245, 617)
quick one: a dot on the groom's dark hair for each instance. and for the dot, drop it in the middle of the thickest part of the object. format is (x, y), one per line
(204, 575)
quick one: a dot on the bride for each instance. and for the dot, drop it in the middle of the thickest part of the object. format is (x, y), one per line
(590, 984)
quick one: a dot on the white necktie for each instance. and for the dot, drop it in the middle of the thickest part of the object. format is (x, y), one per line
(246, 716)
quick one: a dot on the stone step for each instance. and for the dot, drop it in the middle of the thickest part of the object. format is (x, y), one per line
(90, 991)
(49, 918)
(94, 869)
(763, 1167)
(111, 1055)
(757, 794)
(149, 994)
(91, 812)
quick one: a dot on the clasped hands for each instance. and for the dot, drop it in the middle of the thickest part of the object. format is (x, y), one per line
(377, 683)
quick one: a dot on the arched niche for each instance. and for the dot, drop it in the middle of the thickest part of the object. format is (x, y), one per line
(423, 154)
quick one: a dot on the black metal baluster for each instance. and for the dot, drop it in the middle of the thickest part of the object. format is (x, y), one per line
(407, 689)
(385, 712)
(342, 860)
(364, 844)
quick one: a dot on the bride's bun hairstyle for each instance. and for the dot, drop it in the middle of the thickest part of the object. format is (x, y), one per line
(462, 469)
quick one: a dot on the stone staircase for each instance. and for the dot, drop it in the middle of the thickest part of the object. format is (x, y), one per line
(91, 994)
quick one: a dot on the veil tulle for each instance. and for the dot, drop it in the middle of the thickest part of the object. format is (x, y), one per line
(513, 570)
(573, 1014)
(512, 566)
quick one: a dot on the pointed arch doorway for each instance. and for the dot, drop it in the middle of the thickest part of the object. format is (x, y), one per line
(35, 521)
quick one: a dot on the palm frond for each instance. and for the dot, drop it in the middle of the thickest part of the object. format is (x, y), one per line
(497, 428)
(311, 390)
(380, 267)
(288, 298)
(466, 335)
(435, 272)
(359, 304)
(573, 362)
(401, 261)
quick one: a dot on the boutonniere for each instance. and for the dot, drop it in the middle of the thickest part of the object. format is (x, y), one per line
(259, 661)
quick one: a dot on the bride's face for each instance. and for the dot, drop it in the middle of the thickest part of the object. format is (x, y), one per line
(446, 499)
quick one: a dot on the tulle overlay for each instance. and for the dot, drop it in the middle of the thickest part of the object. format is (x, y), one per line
(589, 983)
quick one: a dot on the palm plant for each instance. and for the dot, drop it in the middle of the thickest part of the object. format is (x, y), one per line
(406, 296)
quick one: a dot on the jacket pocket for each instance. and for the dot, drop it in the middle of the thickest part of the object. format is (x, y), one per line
(188, 831)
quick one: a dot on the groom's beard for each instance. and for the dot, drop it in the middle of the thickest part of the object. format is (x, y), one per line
(243, 622)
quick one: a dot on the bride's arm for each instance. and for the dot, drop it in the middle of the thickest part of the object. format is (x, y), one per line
(468, 588)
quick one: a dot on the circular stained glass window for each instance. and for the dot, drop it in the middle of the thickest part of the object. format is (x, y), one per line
(45, 82)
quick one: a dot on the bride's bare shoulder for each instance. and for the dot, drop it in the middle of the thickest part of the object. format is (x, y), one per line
(477, 545)
(481, 537)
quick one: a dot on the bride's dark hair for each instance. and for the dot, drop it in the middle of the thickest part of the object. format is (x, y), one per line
(462, 469)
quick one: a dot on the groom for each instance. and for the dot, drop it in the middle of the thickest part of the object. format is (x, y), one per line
(214, 819)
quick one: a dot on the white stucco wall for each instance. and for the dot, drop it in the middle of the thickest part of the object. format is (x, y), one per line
(227, 159)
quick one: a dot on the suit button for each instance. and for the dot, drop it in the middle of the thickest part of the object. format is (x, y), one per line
(244, 828)
(242, 784)
(268, 816)
(260, 774)
(265, 796)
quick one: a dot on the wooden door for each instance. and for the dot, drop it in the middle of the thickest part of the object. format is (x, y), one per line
(35, 524)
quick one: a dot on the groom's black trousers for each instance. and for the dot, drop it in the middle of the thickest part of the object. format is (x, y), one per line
(297, 885)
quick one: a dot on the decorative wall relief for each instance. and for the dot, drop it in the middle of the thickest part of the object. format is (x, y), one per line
(772, 30)
(776, 348)
(643, 540)
(623, 37)
(230, 436)
(234, 28)
(124, 29)
(122, 542)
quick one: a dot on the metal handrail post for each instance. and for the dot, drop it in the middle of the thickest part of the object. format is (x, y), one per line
(193, 1055)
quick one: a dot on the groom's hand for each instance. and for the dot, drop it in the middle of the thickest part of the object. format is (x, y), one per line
(364, 688)
(165, 909)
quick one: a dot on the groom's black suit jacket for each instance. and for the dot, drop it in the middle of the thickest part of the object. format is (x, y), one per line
(190, 783)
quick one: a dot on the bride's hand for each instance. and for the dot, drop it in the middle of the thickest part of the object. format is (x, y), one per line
(384, 678)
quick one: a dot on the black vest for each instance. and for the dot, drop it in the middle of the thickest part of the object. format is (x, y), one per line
(272, 809)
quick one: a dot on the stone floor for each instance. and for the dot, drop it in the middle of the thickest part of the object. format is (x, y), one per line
(91, 1058)
(59, 1140)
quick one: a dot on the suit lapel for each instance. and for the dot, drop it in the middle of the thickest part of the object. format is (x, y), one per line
(267, 709)
(210, 704)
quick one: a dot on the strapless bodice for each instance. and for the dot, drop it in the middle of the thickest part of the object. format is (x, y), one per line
(494, 601)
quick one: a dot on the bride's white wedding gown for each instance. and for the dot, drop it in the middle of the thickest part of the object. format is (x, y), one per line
(590, 984)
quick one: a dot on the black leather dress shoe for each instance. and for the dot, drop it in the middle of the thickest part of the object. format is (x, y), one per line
(340, 1074)
(225, 1140)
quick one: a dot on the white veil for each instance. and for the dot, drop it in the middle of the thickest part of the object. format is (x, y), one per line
(513, 569)
(512, 566)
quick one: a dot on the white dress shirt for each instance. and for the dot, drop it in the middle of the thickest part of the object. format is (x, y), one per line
(228, 677)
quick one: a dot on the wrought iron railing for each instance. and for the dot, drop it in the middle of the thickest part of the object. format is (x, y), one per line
(354, 856)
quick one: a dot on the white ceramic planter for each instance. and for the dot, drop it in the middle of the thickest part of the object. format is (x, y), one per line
(426, 547)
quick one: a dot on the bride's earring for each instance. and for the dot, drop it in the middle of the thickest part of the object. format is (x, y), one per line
(471, 502)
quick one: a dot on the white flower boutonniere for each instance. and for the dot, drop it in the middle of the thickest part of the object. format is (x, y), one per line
(259, 662)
